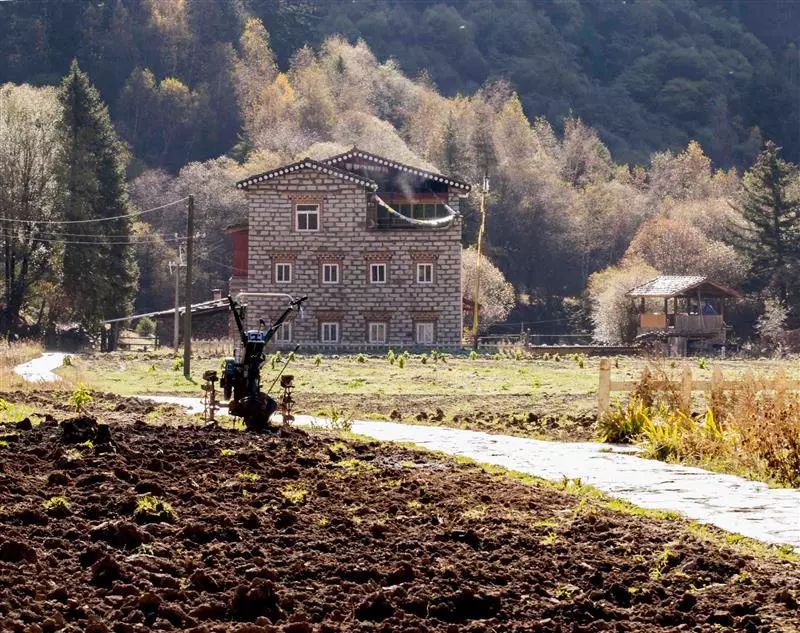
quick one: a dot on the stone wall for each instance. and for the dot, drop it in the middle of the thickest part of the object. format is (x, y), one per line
(343, 237)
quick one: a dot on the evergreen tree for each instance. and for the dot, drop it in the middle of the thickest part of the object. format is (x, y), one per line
(100, 278)
(770, 206)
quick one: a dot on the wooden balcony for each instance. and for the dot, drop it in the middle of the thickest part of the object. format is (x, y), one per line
(681, 324)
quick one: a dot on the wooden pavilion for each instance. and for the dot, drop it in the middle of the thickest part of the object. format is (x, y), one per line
(691, 317)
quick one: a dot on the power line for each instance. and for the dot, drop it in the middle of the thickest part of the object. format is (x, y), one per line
(99, 242)
(116, 217)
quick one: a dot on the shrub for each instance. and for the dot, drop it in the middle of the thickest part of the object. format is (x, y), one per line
(401, 362)
(275, 359)
(517, 354)
(317, 360)
(473, 355)
(177, 365)
(624, 424)
(423, 359)
(67, 361)
(361, 359)
(390, 357)
(146, 327)
(291, 357)
(340, 420)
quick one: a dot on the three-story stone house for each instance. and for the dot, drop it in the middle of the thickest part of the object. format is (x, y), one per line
(375, 244)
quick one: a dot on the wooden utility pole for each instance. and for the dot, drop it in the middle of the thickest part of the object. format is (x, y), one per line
(187, 316)
(476, 295)
(175, 268)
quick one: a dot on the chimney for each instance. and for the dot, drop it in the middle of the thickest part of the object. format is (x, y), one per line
(216, 294)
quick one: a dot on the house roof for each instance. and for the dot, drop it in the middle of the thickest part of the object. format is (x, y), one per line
(307, 163)
(380, 160)
(668, 286)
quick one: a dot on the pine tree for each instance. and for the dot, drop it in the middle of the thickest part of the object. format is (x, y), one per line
(100, 278)
(770, 206)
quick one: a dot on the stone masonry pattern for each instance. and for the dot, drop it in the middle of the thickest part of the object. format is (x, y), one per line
(344, 238)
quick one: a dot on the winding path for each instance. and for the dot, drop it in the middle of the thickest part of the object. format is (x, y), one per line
(40, 369)
(747, 507)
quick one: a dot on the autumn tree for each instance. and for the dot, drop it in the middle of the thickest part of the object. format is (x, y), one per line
(28, 191)
(496, 296)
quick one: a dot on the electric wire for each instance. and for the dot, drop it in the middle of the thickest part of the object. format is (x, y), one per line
(115, 217)
(129, 242)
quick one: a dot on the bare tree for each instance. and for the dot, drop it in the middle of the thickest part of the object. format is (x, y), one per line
(28, 150)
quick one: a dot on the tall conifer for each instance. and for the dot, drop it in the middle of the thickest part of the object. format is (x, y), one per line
(99, 278)
(770, 205)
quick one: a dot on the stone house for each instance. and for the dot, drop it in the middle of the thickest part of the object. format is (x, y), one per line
(375, 244)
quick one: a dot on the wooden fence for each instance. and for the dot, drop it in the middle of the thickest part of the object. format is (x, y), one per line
(687, 384)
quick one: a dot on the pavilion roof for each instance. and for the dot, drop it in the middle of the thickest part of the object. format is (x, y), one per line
(669, 286)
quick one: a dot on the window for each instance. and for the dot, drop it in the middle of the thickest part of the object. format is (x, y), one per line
(330, 273)
(329, 332)
(377, 333)
(307, 217)
(283, 273)
(377, 273)
(425, 273)
(424, 333)
(284, 333)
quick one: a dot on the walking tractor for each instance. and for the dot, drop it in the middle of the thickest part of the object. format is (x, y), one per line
(241, 375)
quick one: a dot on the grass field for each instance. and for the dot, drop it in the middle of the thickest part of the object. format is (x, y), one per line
(553, 398)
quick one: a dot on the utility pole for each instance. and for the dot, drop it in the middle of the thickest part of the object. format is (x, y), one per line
(476, 295)
(187, 316)
(175, 268)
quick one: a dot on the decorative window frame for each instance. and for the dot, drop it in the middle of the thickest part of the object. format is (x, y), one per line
(424, 265)
(376, 324)
(301, 200)
(283, 334)
(332, 265)
(338, 329)
(378, 266)
(276, 265)
(417, 339)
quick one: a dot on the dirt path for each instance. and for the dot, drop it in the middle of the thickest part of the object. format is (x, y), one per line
(176, 528)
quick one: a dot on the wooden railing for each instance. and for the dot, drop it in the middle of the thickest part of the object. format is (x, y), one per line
(687, 384)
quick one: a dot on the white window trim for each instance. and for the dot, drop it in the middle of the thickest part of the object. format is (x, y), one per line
(322, 331)
(417, 336)
(383, 339)
(291, 272)
(424, 266)
(285, 328)
(374, 266)
(333, 266)
(298, 211)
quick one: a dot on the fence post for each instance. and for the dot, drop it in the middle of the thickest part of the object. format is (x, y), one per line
(716, 380)
(686, 390)
(604, 388)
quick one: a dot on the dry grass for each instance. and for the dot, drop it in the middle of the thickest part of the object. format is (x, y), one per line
(11, 355)
(751, 430)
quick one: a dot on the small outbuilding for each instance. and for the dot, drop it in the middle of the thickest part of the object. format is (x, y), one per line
(684, 312)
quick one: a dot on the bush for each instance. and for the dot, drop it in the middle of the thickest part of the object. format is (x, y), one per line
(624, 424)
(317, 360)
(401, 362)
(473, 355)
(146, 327)
(67, 361)
(361, 359)
(177, 365)
(423, 359)
(390, 357)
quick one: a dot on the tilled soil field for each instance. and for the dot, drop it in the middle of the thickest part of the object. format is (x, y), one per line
(136, 527)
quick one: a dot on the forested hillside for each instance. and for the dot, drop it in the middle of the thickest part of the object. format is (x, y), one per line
(647, 75)
(614, 133)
